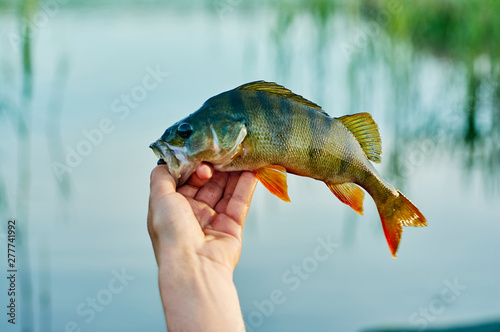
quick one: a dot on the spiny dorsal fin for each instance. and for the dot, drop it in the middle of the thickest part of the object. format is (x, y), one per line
(279, 90)
(364, 128)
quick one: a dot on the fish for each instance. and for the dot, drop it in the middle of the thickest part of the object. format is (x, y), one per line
(267, 129)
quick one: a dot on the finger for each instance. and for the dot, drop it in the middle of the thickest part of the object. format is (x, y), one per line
(203, 213)
(161, 185)
(170, 217)
(203, 173)
(240, 199)
(234, 177)
(212, 191)
(161, 182)
(231, 185)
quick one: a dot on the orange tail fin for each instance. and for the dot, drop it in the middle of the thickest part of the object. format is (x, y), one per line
(396, 212)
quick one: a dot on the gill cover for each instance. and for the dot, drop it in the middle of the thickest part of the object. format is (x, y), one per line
(227, 138)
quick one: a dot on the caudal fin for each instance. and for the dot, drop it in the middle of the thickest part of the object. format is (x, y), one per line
(396, 212)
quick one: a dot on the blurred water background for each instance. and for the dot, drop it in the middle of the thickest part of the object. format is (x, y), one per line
(86, 86)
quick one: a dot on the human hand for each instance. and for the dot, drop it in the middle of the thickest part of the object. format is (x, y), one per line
(196, 232)
(206, 215)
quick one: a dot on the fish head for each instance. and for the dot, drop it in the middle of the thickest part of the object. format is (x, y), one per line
(197, 139)
(178, 148)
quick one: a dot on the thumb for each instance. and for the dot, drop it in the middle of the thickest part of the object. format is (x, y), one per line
(170, 216)
(161, 182)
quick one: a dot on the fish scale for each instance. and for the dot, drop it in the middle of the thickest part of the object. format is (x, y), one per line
(267, 129)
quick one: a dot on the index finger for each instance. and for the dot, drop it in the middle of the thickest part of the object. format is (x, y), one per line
(202, 174)
(241, 197)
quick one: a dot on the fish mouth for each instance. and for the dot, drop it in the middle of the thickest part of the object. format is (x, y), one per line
(175, 158)
(161, 152)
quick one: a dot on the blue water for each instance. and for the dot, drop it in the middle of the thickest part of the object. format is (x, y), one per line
(78, 241)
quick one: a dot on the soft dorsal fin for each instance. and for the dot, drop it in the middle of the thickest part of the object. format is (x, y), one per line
(279, 90)
(364, 128)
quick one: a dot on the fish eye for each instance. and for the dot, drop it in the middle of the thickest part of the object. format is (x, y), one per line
(184, 130)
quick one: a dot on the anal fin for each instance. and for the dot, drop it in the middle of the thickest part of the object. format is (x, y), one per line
(274, 179)
(350, 194)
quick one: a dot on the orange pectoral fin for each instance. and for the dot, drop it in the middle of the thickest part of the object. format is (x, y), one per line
(274, 179)
(350, 194)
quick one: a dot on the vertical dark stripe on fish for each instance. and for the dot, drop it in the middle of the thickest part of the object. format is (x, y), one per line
(264, 102)
(238, 107)
(264, 121)
(316, 137)
(344, 164)
(286, 123)
(366, 175)
(346, 158)
(236, 100)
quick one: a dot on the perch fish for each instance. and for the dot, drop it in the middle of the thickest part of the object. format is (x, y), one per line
(267, 129)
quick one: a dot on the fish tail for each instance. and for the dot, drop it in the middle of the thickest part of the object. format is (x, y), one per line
(395, 212)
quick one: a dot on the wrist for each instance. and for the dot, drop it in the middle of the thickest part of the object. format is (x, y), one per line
(198, 294)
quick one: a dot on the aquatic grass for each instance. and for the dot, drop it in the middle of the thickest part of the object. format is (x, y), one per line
(463, 35)
(460, 30)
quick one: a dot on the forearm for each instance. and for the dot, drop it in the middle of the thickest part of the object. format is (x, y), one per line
(198, 295)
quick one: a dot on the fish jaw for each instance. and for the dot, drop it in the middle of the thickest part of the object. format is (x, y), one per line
(179, 165)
